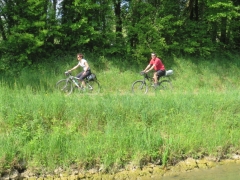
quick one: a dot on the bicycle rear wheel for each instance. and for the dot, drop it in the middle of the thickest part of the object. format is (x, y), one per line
(65, 86)
(165, 85)
(93, 86)
(139, 87)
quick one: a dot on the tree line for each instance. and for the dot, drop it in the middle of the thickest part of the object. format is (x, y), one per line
(31, 30)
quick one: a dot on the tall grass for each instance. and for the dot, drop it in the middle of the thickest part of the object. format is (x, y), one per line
(41, 128)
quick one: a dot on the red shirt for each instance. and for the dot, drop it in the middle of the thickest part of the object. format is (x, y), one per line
(158, 64)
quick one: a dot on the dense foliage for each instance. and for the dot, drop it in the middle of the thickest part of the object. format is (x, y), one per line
(32, 30)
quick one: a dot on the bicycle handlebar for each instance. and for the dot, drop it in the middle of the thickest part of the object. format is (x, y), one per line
(144, 74)
(67, 73)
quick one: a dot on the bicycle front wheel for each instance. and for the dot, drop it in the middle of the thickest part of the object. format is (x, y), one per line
(165, 85)
(93, 86)
(139, 87)
(65, 86)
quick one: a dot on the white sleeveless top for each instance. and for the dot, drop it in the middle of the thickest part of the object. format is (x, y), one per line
(82, 64)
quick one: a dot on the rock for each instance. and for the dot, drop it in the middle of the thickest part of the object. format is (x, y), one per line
(190, 163)
(236, 156)
(211, 164)
(121, 175)
(202, 164)
(158, 171)
(13, 175)
(187, 165)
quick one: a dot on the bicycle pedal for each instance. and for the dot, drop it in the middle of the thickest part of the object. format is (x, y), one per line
(155, 85)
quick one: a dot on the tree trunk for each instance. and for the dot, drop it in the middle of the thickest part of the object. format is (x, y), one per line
(223, 37)
(117, 10)
(4, 38)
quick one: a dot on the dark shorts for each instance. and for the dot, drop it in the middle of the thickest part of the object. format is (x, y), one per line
(160, 73)
(81, 76)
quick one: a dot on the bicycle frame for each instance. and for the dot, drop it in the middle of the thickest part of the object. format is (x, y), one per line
(141, 86)
(74, 80)
(147, 77)
(67, 85)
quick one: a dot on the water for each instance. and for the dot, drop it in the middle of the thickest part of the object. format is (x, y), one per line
(229, 171)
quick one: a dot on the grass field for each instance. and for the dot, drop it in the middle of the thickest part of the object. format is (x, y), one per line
(40, 128)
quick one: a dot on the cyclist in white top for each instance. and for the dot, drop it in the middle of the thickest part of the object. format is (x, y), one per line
(86, 69)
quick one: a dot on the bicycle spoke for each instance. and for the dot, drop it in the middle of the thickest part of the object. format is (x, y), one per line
(139, 87)
(93, 87)
(165, 85)
(152, 88)
(64, 86)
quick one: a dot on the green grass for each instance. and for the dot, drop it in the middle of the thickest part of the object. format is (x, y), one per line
(46, 129)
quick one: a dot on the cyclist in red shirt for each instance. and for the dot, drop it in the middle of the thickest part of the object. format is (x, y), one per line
(156, 64)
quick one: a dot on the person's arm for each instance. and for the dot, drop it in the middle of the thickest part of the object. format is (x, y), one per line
(148, 66)
(87, 67)
(75, 67)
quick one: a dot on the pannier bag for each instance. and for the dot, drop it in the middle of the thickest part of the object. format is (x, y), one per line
(91, 77)
(169, 72)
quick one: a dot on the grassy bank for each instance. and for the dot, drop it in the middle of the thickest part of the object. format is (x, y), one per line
(43, 129)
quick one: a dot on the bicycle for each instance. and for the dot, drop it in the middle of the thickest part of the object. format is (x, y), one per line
(67, 85)
(142, 86)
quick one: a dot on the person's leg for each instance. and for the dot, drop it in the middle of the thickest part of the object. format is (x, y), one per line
(83, 76)
(78, 76)
(160, 73)
(155, 78)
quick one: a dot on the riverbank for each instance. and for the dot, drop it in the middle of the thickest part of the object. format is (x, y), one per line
(131, 172)
(111, 130)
